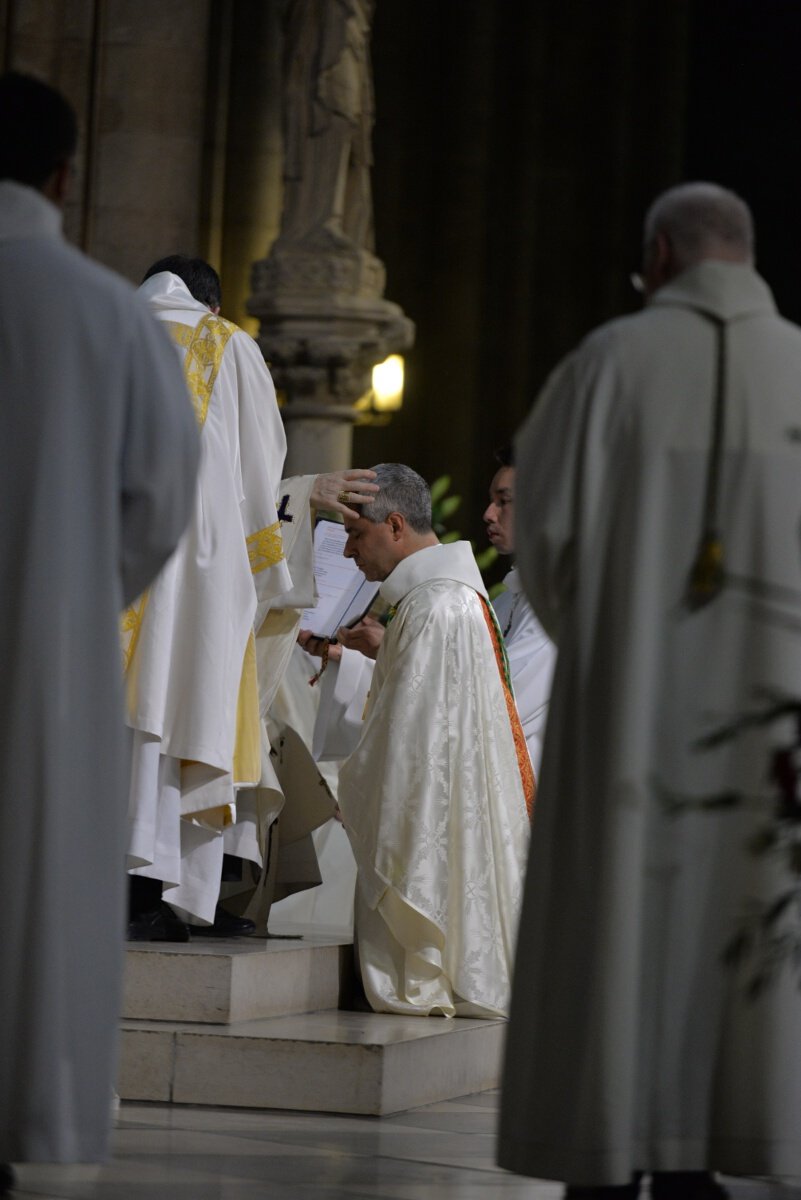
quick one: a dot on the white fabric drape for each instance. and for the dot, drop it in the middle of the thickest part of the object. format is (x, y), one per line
(187, 660)
(532, 656)
(97, 469)
(632, 1045)
(245, 565)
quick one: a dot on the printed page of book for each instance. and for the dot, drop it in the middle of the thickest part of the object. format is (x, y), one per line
(344, 593)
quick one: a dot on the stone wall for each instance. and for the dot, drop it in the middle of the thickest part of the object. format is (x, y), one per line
(136, 74)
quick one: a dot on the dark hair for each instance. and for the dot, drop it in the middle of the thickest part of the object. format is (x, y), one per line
(505, 455)
(38, 129)
(198, 275)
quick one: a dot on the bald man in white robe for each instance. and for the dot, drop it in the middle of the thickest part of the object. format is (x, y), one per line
(658, 508)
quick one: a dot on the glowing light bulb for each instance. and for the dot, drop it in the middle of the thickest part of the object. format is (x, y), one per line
(388, 384)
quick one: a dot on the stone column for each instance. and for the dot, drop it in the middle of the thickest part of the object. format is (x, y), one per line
(319, 294)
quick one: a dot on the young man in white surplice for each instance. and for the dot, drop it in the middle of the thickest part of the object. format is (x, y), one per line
(532, 654)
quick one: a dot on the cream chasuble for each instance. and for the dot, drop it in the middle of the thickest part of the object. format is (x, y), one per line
(433, 800)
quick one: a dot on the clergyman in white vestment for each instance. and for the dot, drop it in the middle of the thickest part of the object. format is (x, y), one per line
(97, 469)
(434, 796)
(199, 680)
(658, 509)
(531, 652)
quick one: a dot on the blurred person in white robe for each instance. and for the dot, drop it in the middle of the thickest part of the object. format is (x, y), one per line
(206, 646)
(657, 537)
(97, 473)
(531, 652)
(435, 795)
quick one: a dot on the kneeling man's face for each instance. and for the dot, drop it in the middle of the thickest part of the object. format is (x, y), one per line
(499, 517)
(372, 546)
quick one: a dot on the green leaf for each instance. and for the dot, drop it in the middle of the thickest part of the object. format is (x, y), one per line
(440, 487)
(496, 590)
(448, 506)
(486, 558)
(452, 536)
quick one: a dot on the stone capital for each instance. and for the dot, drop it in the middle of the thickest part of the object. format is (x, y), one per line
(324, 323)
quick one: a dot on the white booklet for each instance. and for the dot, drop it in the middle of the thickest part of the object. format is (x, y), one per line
(344, 593)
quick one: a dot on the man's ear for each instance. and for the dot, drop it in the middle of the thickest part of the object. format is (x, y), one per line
(397, 525)
(658, 263)
(663, 252)
(57, 187)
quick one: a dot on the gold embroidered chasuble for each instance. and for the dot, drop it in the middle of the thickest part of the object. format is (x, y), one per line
(188, 644)
(244, 567)
(204, 347)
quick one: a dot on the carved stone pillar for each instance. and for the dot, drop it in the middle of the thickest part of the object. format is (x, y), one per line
(324, 323)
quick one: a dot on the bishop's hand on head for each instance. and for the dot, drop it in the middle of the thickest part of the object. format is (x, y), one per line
(339, 491)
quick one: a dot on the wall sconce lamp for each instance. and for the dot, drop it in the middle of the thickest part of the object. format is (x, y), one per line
(386, 394)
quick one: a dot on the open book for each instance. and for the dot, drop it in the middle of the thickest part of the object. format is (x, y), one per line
(345, 596)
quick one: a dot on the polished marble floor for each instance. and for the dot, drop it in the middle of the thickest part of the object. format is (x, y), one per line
(439, 1152)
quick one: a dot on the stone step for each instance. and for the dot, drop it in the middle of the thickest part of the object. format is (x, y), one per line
(239, 980)
(336, 1062)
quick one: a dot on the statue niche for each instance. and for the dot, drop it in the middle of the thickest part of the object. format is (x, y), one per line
(328, 120)
(319, 293)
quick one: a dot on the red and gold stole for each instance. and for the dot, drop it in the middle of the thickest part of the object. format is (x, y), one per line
(523, 757)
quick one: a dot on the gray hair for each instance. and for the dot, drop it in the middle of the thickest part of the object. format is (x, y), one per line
(702, 220)
(402, 491)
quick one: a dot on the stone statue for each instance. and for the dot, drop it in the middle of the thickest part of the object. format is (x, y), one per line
(328, 119)
(319, 293)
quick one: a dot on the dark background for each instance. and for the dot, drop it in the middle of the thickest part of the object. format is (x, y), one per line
(517, 146)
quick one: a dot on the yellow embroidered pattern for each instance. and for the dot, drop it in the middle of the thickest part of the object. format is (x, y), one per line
(205, 346)
(130, 625)
(265, 548)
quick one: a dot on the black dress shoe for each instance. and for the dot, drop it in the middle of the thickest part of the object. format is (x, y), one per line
(686, 1185)
(226, 925)
(158, 925)
(7, 1179)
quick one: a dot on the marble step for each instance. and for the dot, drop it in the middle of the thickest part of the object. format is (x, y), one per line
(239, 980)
(335, 1062)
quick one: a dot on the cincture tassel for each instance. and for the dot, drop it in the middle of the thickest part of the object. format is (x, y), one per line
(323, 663)
(707, 575)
